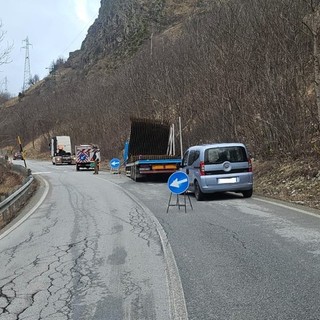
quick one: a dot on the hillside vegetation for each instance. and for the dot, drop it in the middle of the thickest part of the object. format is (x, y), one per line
(236, 70)
(9, 179)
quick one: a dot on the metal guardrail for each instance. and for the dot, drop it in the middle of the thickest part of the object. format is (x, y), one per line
(12, 203)
(17, 193)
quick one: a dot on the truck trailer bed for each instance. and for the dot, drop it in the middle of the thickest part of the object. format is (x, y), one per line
(146, 167)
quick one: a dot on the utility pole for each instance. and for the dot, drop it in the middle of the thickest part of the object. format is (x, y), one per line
(5, 85)
(27, 73)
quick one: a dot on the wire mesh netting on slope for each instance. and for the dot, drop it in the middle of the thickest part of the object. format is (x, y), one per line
(148, 138)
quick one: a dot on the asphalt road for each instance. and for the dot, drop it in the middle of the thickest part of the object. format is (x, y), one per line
(241, 258)
(93, 250)
(87, 251)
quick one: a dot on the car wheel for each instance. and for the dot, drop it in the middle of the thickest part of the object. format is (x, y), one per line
(197, 192)
(247, 193)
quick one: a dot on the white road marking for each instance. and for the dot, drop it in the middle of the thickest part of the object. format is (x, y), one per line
(289, 207)
(41, 172)
(16, 225)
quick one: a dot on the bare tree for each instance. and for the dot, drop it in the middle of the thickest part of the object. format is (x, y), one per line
(4, 50)
(240, 71)
(312, 21)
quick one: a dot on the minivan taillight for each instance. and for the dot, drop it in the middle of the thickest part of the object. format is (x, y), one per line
(250, 165)
(202, 172)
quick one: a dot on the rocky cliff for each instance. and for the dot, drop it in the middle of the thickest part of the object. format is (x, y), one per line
(123, 25)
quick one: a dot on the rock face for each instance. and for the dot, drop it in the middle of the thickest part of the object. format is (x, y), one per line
(123, 25)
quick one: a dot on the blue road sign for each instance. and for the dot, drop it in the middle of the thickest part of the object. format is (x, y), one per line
(115, 163)
(83, 157)
(178, 182)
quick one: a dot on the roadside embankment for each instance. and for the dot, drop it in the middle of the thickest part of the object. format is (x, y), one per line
(16, 187)
(295, 181)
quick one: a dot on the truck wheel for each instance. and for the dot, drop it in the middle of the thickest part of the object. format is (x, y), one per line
(77, 167)
(131, 173)
(135, 174)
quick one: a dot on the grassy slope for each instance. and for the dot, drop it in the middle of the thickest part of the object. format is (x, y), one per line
(294, 181)
(9, 180)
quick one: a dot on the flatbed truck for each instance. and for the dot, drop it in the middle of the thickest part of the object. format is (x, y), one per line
(150, 150)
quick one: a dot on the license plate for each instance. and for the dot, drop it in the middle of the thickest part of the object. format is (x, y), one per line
(227, 180)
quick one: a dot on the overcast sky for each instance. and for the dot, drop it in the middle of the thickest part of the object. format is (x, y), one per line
(54, 28)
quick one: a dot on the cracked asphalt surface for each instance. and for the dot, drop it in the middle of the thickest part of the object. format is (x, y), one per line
(88, 252)
(241, 259)
(101, 247)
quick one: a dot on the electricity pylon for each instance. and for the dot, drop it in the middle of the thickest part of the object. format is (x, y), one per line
(27, 73)
(5, 85)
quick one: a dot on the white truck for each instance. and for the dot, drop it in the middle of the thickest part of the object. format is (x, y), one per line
(86, 154)
(61, 150)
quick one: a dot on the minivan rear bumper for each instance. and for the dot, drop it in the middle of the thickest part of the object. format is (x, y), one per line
(226, 182)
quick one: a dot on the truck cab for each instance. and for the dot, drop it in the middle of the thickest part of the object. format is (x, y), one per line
(61, 150)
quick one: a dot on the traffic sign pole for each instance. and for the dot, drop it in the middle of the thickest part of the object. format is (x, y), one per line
(22, 151)
(114, 165)
(178, 183)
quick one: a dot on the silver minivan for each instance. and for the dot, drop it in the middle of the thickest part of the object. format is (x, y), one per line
(219, 167)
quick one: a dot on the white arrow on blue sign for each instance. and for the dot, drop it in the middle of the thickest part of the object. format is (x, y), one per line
(115, 163)
(178, 182)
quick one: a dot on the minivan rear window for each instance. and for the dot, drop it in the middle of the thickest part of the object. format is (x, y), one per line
(222, 154)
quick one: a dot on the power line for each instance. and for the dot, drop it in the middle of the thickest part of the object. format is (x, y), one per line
(85, 28)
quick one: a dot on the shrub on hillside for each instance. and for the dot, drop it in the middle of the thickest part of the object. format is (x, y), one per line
(9, 179)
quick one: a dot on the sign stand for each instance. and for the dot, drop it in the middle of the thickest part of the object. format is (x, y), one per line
(115, 171)
(178, 203)
(178, 183)
(115, 166)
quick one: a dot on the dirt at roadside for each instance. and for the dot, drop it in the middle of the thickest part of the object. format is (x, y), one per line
(293, 181)
(9, 179)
